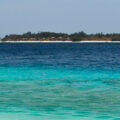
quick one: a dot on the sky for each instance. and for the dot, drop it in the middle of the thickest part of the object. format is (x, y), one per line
(91, 16)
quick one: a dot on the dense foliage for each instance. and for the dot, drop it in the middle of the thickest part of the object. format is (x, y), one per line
(49, 36)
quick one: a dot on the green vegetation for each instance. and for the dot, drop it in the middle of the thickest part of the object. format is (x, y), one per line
(52, 36)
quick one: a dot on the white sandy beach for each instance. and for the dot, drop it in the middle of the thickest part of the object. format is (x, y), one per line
(83, 41)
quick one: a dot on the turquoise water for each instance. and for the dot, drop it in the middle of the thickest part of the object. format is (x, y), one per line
(59, 81)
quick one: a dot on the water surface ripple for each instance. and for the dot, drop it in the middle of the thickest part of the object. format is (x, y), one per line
(55, 81)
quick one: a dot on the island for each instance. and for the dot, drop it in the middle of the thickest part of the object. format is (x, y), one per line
(61, 37)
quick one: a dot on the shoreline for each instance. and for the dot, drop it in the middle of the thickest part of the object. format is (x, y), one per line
(83, 41)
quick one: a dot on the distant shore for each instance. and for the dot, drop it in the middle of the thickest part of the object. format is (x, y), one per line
(53, 37)
(82, 41)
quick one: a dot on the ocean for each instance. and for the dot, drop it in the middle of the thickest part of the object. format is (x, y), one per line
(59, 81)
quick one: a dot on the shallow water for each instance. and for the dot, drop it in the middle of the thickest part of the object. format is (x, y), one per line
(59, 81)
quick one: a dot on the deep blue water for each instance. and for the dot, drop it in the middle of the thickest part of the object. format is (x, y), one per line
(59, 81)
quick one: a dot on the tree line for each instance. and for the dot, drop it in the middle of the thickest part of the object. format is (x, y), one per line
(78, 36)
